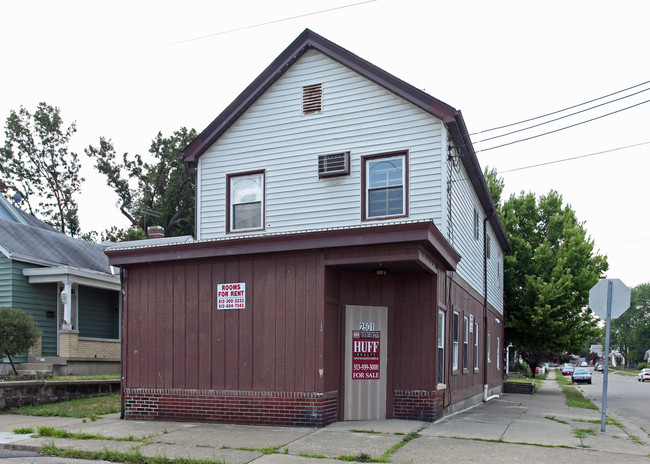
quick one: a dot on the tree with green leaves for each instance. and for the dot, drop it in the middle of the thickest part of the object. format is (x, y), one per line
(18, 333)
(548, 274)
(164, 190)
(630, 332)
(38, 165)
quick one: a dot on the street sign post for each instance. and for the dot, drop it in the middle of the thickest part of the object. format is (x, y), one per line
(608, 299)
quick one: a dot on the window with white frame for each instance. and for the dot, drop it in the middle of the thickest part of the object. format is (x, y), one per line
(476, 345)
(489, 359)
(246, 201)
(465, 342)
(498, 353)
(488, 246)
(455, 335)
(385, 186)
(441, 347)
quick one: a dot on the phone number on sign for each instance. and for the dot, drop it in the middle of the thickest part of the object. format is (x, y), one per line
(231, 303)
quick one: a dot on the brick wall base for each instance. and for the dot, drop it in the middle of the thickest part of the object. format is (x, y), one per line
(423, 405)
(232, 406)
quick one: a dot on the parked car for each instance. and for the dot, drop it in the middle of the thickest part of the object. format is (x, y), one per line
(567, 369)
(581, 375)
(644, 375)
(599, 367)
(584, 364)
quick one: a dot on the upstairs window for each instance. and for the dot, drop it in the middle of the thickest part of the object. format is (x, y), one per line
(476, 225)
(385, 186)
(312, 99)
(246, 201)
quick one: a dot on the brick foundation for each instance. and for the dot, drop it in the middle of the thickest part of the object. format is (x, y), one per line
(232, 406)
(423, 405)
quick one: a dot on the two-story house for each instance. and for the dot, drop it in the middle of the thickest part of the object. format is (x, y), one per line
(347, 263)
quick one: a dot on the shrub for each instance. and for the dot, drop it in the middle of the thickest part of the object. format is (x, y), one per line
(18, 333)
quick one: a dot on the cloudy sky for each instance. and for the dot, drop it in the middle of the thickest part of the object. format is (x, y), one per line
(128, 69)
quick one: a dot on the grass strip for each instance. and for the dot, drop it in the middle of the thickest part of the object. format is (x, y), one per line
(90, 408)
(134, 457)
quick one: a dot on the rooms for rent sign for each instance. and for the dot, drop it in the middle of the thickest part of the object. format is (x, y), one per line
(231, 296)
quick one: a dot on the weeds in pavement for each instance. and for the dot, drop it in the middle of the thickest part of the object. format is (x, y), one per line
(24, 431)
(556, 420)
(313, 456)
(60, 433)
(91, 408)
(364, 431)
(135, 457)
(582, 433)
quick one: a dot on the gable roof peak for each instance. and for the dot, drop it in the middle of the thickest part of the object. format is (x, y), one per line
(308, 39)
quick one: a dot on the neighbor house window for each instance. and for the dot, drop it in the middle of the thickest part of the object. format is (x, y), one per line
(441, 347)
(455, 333)
(476, 225)
(246, 201)
(465, 342)
(476, 345)
(385, 186)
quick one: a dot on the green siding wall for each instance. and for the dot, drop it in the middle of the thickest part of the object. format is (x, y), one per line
(5, 281)
(98, 313)
(36, 300)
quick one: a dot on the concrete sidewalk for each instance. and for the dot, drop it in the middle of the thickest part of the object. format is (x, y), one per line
(503, 430)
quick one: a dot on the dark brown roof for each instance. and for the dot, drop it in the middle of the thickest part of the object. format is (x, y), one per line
(451, 117)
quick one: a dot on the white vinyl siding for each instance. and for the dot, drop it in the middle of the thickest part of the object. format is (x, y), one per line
(465, 204)
(357, 117)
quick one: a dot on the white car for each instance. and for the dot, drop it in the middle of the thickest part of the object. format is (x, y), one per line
(584, 364)
(644, 375)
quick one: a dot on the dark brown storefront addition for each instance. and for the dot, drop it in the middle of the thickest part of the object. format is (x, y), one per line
(279, 360)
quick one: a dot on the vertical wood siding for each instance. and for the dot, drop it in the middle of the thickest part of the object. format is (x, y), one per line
(176, 338)
(358, 116)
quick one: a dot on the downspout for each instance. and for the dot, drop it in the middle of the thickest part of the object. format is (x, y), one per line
(486, 398)
(123, 343)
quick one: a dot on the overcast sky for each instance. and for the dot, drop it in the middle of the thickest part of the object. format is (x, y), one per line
(128, 69)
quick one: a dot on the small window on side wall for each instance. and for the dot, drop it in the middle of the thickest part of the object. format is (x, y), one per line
(385, 188)
(246, 202)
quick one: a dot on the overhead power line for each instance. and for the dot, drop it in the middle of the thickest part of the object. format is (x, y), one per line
(562, 117)
(271, 22)
(563, 128)
(575, 157)
(560, 111)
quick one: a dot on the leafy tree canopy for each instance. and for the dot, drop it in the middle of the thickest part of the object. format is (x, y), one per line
(18, 333)
(548, 275)
(37, 164)
(164, 194)
(630, 332)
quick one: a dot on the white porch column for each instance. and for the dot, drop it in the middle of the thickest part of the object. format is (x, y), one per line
(66, 300)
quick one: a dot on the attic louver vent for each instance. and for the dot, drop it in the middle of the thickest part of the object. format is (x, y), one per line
(337, 164)
(312, 99)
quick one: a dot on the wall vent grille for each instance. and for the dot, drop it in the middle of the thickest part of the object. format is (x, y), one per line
(312, 99)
